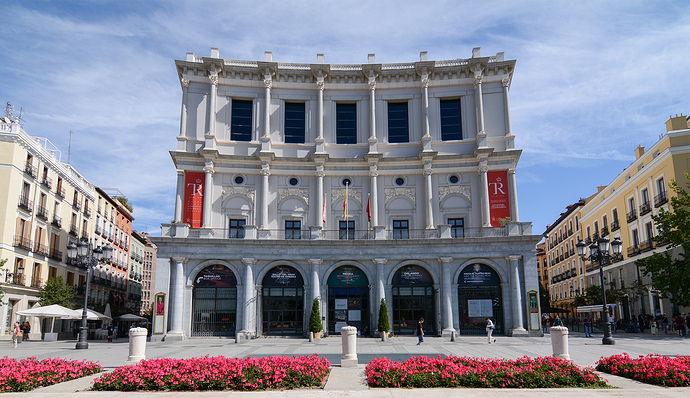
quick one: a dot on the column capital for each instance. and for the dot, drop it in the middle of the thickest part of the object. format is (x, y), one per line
(315, 261)
(178, 260)
(445, 260)
(213, 78)
(268, 81)
(513, 258)
(379, 261)
(208, 167)
(248, 261)
(265, 168)
(372, 81)
(184, 82)
(505, 82)
(180, 172)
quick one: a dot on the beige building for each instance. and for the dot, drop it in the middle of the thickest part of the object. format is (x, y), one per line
(148, 274)
(44, 205)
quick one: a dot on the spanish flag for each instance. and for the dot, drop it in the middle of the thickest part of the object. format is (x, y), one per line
(345, 203)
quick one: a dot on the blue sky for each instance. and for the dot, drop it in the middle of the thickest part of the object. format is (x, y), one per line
(593, 79)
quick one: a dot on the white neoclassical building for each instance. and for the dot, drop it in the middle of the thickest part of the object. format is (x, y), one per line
(347, 184)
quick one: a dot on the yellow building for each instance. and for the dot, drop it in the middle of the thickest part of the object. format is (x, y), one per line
(624, 209)
(44, 205)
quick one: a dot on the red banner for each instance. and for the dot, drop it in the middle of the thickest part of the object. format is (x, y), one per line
(193, 199)
(499, 202)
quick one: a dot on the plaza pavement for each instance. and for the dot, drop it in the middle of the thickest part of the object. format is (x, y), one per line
(351, 382)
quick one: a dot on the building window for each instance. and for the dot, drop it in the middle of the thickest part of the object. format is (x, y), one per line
(457, 227)
(293, 229)
(236, 229)
(346, 123)
(451, 126)
(400, 181)
(347, 230)
(241, 122)
(294, 123)
(401, 229)
(398, 130)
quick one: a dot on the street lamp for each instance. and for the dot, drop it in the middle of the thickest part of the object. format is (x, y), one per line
(84, 254)
(599, 251)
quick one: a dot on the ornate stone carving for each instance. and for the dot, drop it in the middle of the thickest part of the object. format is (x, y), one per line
(425, 80)
(372, 81)
(268, 81)
(301, 193)
(427, 167)
(208, 167)
(185, 82)
(337, 194)
(464, 190)
(505, 82)
(408, 192)
(247, 192)
(265, 169)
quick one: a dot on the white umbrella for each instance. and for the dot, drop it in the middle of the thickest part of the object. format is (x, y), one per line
(132, 317)
(49, 311)
(107, 311)
(91, 315)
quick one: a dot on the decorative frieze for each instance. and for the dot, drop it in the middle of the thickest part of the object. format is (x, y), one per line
(247, 192)
(445, 190)
(301, 193)
(337, 194)
(408, 192)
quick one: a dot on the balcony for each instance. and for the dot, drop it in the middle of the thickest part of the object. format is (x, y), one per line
(55, 254)
(646, 246)
(76, 205)
(36, 281)
(14, 278)
(25, 203)
(660, 199)
(78, 290)
(615, 226)
(604, 231)
(632, 216)
(57, 221)
(42, 213)
(87, 212)
(97, 229)
(60, 191)
(30, 169)
(633, 251)
(41, 249)
(22, 242)
(645, 208)
(47, 182)
(588, 240)
(74, 230)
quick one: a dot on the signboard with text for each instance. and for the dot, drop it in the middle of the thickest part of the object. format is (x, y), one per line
(499, 202)
(193, 199)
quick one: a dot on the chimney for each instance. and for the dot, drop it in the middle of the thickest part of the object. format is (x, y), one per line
(320, 58)
(676, 123)
(476, 52)
(214, 52)
(639, 151)
(190, 57)
(423, 56)
(268, 56)
(372, 58)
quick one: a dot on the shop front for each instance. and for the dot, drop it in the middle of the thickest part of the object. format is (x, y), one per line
(348, 300)
(413, 298)
(479, 297)
(214, 302)
(283, 302)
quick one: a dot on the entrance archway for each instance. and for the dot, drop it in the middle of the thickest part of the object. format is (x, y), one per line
(283, 302)
(348, 300)
(413, 298)
(214, 302)
(479, 297)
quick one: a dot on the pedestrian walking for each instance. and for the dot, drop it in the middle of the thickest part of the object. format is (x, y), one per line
(489, 330)
(588, 326)
(15, 334)
(419, 331)
(652, 327)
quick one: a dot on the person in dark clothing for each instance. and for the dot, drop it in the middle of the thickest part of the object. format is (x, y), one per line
(420, 331)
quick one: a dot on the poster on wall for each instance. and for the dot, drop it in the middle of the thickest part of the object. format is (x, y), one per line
(193, 199)
(480, 308)
(533, 310)
(159, 316)
(499, 204)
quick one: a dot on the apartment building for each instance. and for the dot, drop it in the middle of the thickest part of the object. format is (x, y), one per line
(148, 274)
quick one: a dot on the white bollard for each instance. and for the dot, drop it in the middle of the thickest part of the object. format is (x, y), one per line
(559, 342)
(349, 338)
(137, 345)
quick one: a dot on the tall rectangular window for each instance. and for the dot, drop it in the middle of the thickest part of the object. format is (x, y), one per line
(451, 120)
(241, 122)
(294, 123)
(398, 126)
(346, 123)
(347, 230)
(293, 229)
(401, 229)
(236, 229)
(457, 227)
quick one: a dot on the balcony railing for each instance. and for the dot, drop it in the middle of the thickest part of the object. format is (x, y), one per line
(36, 281)
(30, 169)
(97, 229)
(60, 191)
(41, 249)
(645, 208)
(42, 212)
(660, 199)
(604, 231)
(14, 278)
(25, 203)
(47, 182)
(78, 290)
(615, 226)
(76, 204)
(633, 251)
(74, 230)
(646, 246)
(57, 221)
(22, 242)
(87, 212)
(55, 254)
(632, 216)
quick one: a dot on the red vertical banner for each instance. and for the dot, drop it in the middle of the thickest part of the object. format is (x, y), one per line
(499, 202)
(194, 199)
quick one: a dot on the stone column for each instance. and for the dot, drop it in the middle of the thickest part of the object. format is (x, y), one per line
(484, 180)
(316, 284)
(479, 100)
(516, 287)
(176, 311)
(373, 141)
(510, 138)
(380, 285)
(208, 192)
(426, 137)
(320, 204)
(373, 173)
(248, 328)
(179, 195)
(265, 172)
(211, 133)
(182, 138)
(446, 302)
(512, 187)
(428, 209)
(268, 83)
(320, 83)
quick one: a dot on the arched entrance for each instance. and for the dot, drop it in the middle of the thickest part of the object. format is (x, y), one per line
(214, 302)
(348, 300)
(479, 297)
(413, 298)
(283, 302)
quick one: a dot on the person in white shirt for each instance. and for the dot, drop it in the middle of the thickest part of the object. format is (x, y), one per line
(489, 330)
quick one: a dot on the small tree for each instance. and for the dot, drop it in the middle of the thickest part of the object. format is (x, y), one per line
(315, 325)
(384, 323)
(56, 292)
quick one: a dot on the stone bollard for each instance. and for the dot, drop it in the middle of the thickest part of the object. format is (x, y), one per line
(349, 338)
(137, 345)
(559, 342)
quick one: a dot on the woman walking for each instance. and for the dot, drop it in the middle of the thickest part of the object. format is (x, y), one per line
(489, 330)
(15, 334)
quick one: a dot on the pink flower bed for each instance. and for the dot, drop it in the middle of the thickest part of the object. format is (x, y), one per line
(450, 372)
(217, 373)
(27, 374)
(653, 369)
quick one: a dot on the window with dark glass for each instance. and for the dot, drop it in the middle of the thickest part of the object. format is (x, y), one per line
(457, 227)
(236, 229)
(451, 126)
(241, 122)
(398, 130)
(401, 229)
(347, 230)
(346, 123)
(293, 229)
(294, 123)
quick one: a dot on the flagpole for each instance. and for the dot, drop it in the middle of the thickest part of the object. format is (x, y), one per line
(368, 215)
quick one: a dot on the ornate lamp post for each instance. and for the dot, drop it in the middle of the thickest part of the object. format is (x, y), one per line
(599, 251)
(84, 254)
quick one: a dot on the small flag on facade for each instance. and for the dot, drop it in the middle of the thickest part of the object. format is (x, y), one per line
(345, 202)
(369, 207)
(323, 213)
